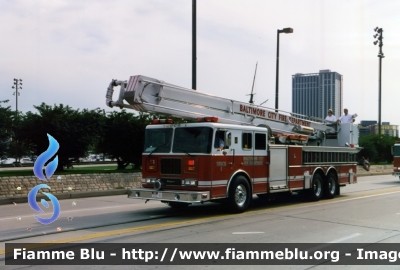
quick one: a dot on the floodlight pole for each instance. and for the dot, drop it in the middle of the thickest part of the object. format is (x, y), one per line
(16, 85)
(379, 37)
(380, 97)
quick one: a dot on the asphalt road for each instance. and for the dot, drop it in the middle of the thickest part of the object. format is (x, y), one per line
(367, 212)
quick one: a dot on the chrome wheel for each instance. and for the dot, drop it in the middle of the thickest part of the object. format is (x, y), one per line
(316, 191)
(240, 195)
(317, 187)
(331, 186)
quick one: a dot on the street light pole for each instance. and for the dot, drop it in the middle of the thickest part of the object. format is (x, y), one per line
(286, 31)
(379, 37)
(194, 46)
(17, 85)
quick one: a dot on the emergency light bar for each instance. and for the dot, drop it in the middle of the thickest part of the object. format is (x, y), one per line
(207, 119)
(162, 121)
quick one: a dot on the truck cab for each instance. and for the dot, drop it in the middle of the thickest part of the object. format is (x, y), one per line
(186, 164)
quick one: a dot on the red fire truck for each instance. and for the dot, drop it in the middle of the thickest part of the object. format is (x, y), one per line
(233, 150)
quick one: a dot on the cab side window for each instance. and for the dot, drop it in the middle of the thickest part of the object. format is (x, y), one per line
(219, 140)
(247, 143)
(260, 141)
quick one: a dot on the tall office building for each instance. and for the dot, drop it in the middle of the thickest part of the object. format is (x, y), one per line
(314, 93)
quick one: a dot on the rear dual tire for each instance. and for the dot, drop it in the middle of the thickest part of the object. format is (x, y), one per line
(316, 191)
(321, 187)
(331, 186)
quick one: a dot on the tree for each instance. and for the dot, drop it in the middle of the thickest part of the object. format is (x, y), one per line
(384, 145)
(377, 147)
(6, 128)
(74, 130)
(369, 150)
(123, 136)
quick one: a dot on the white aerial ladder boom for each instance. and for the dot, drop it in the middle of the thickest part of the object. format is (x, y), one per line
(154, 96)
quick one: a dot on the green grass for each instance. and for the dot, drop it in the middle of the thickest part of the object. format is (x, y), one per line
(76, 170)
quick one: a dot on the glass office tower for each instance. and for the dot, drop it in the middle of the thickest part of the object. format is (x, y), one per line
(314, 93)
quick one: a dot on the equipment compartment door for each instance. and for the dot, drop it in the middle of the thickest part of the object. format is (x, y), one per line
(278, 169)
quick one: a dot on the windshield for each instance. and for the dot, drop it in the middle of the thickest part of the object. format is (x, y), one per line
(192, 140)
(158, 140)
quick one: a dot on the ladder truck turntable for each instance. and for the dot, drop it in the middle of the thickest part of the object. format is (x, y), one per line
(265, 151)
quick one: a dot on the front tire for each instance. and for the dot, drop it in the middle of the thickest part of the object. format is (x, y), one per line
(239, 195)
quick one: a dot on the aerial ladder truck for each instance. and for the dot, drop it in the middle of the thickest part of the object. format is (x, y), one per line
(263, 151)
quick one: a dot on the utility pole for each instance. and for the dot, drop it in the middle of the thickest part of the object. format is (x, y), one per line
(286, 31)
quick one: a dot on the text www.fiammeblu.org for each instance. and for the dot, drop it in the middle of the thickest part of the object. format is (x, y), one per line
(280, 255)
(230, 254)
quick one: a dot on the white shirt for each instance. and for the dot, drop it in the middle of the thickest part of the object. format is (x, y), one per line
(346, 118)
(331, 118)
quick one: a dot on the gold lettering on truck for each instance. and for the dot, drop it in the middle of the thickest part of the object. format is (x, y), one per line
(256, 161)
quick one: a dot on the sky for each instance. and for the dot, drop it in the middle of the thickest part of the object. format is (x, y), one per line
(67, 52)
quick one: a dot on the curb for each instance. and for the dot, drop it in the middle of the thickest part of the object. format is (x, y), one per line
(373, 173)
(64, 196)
(374, 170)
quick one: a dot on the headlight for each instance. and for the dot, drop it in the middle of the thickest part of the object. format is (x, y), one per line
(190, 182)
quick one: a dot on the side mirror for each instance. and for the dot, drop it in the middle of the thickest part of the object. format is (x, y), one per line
(227, 138)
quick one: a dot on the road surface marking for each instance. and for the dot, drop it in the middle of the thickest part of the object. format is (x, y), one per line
(345, 238)
(246, 232)
(319, 247)
(74, 211)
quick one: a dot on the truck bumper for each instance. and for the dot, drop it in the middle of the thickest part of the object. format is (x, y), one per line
(183, 196)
